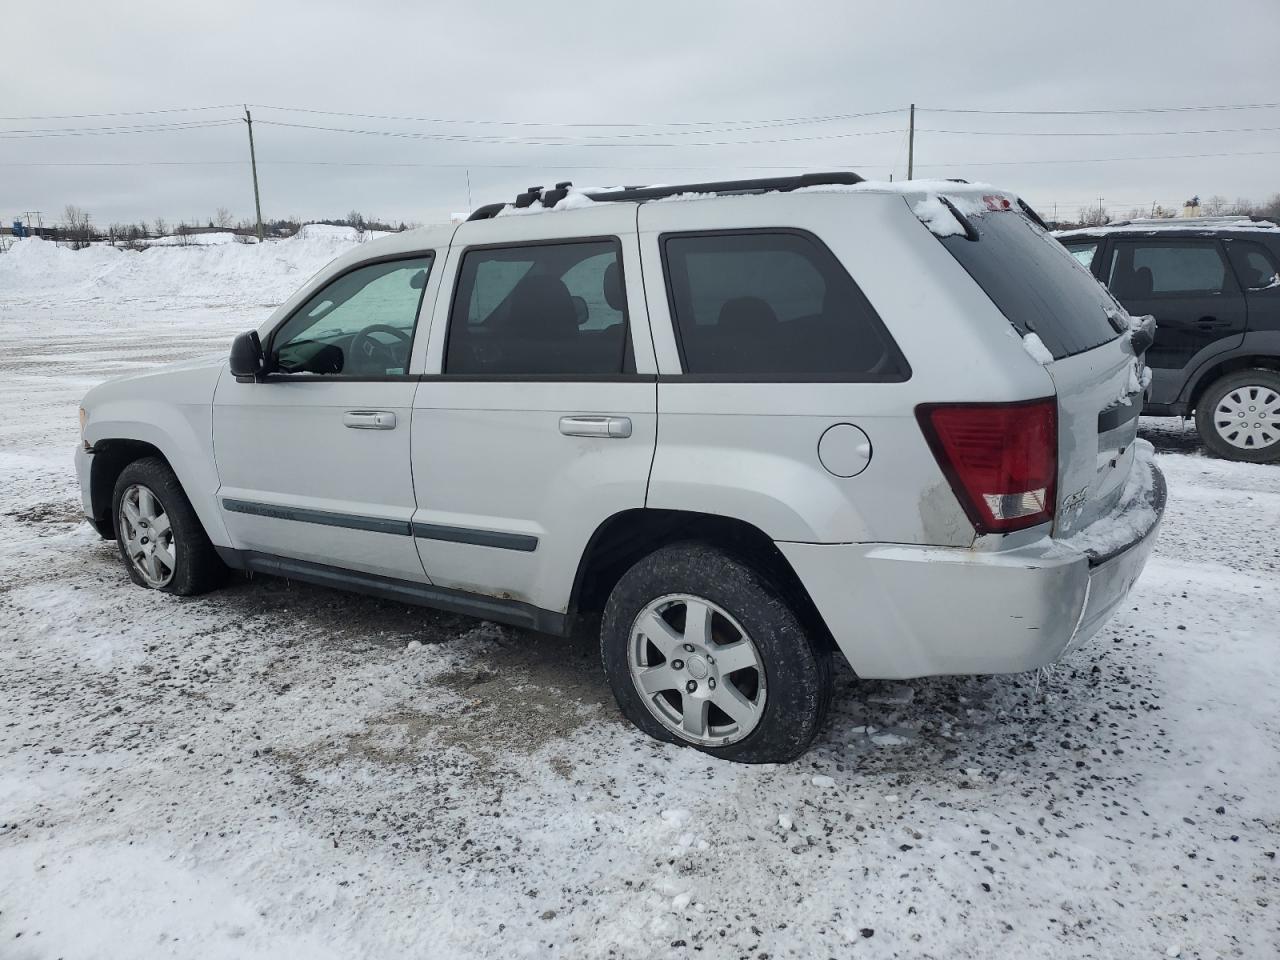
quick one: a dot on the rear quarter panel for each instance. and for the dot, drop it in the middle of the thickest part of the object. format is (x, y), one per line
(750, 450)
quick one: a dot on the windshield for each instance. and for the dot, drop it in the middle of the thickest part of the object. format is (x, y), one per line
(1036, 282)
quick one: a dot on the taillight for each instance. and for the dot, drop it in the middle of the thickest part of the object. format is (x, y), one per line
(1001, 459)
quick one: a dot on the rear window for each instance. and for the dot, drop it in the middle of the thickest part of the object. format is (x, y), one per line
(1035, 282)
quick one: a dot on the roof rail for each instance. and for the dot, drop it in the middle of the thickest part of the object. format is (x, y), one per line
(640, 194)
(1216, 220)
(730, 187)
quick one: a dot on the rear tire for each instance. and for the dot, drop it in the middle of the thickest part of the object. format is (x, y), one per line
(162, 543)
(1238, 416)
(751, 686)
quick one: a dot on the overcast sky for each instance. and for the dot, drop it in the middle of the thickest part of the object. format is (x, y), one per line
(528, 89)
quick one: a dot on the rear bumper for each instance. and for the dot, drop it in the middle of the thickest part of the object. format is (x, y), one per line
(900, 611)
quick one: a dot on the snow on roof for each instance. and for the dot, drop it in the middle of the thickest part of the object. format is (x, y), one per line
(1151, 226)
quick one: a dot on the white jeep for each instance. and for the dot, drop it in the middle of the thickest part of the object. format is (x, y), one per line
(772, 420)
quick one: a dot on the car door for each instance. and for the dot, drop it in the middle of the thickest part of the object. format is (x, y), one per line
(538, 421)
(1257, 270)
(1185, 282)
(313, 456)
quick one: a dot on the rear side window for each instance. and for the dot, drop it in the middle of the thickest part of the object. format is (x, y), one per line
(1082, 250)
(550, 309)
(1145, 268)
(1253, 264)
(765, 304)
(1035, 282)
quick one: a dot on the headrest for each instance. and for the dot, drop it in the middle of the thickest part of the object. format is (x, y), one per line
(613, 293)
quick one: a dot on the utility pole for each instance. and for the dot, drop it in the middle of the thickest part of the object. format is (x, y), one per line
(1100, 212)
(911, 144)
(253, 162)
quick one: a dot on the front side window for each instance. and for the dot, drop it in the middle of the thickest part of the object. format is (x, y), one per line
(360, 324)
(1140, 269)
(765, 303)
(1253, 264)
(1083, 251)
(540, 309)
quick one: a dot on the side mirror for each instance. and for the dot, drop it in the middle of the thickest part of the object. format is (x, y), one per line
(1143, 335)
(246, 355)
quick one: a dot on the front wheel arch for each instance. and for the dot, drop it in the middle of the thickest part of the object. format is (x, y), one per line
(110, 457)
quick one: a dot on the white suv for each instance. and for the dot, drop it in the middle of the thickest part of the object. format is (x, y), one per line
(776, 419)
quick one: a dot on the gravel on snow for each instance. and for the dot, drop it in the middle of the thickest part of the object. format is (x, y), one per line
(278, 770)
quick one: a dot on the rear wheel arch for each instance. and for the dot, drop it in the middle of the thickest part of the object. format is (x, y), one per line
(624, 538)
(1214, 372)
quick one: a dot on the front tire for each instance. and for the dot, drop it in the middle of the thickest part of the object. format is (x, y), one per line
(162, 543)
(702, 651)
(1238, 416)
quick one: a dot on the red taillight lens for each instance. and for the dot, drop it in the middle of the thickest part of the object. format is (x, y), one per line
(1001, 459)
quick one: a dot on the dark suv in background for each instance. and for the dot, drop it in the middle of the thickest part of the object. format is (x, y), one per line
(1213, 285)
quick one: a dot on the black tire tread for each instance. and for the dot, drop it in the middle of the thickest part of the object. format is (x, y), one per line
(199, 568)
(798, 666)
(1209, 400)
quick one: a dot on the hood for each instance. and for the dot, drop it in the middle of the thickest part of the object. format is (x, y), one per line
(186, 381)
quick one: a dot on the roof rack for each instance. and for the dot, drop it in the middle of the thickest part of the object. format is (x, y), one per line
(720, 187)
(1219, 220)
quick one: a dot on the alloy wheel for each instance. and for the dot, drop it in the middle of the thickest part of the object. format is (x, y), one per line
(697, 670)
(148, 535)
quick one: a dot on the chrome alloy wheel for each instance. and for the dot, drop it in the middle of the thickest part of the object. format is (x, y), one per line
(148, 537)
(696, 670)
(1248, 417)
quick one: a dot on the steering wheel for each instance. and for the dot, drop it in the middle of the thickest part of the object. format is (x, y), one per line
(371, 354)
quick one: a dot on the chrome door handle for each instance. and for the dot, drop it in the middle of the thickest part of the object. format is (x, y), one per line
(369, 420)
(616, 427)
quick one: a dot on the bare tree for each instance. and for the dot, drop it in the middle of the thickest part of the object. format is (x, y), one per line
(1215, 206)
(161, 228)
(76, 226)
(223, 218)
(1094, 216)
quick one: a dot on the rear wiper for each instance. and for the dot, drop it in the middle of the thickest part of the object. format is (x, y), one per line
(970, 231)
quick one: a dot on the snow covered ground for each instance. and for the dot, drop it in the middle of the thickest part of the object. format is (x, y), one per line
(278, 770)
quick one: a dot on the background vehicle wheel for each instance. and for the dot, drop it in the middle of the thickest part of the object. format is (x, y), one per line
(163, 545)
(1238, 416)
(701, 650)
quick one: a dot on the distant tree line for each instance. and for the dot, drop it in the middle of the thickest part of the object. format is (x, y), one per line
(1215, 206)
(77, 229)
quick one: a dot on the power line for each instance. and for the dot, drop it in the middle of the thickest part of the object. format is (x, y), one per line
(1117, 110)
(570, 142)
(1112, 133)
(834, 165)
(35, 134)
(784, 121)
(1176, 156)
(124, 113)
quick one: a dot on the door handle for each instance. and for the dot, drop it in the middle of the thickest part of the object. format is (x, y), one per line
(369, 420)
(616, 427)
(1212, 323)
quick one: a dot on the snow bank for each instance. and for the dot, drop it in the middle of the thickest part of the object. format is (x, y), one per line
(266, 273)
